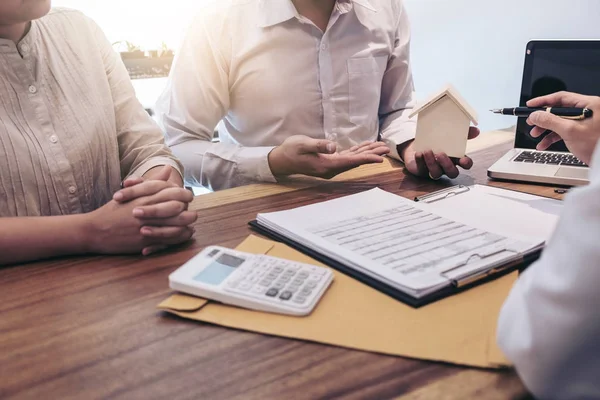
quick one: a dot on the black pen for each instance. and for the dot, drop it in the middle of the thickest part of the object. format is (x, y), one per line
(563, 112)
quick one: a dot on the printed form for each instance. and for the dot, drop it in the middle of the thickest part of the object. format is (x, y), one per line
(405, 244)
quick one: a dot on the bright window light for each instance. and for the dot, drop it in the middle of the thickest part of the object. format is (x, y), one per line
(144, 23)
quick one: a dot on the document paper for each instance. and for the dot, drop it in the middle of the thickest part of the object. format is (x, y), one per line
(405, 244)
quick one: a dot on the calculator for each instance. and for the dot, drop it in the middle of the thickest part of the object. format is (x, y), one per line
(253, 281)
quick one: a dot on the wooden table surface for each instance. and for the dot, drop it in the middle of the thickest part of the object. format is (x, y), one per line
(88, 327)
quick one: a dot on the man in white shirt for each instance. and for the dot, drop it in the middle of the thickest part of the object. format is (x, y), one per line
(293, 82)
(550, 324)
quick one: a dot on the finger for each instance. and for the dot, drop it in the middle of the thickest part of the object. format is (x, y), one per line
(447, 165)
(168, 234)
(374, 148)
(170, 194)
(167, 209)
(536, 132)
(473, 132)
(565, 99)
(184, 219)
(129, 182)
(355, 160)
(309, 145)
(548, 141)
(549, 121)
(465, 163)
(435, 171)
(147, 188)
(153, 249)
(421, 166)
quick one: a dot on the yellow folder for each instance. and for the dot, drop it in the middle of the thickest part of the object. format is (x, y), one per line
(459, 329)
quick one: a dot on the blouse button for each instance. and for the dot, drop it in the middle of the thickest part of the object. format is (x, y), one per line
(32, 89)
(54, 138)
(72, 189)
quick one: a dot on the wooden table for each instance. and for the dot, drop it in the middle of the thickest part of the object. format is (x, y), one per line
(87, 327)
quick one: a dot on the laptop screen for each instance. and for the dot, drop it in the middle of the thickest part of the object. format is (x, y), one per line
(553, 66)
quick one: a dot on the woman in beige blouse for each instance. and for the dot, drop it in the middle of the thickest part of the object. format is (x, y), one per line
(71, 131)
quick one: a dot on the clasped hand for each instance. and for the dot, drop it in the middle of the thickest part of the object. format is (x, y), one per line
(147, 215)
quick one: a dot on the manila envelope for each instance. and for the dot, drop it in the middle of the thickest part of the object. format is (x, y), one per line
(459, 329)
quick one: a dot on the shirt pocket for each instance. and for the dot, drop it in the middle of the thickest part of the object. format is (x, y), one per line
(365, 76)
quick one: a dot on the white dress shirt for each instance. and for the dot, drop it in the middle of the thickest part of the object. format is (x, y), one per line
(550, 324)
(268, 73)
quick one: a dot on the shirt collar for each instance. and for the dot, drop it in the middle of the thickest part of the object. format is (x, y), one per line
(273, 12)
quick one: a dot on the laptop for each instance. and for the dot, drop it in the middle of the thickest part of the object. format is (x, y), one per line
(551, 66)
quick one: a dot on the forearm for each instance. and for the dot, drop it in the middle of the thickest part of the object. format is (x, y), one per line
(221, 166)
(549, 323)
(26, 239)
(398, 131)
(175, 177)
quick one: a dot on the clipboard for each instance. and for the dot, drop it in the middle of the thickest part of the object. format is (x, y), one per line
(460, 282)
(457, 286)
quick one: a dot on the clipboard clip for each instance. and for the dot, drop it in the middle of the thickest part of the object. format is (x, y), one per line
(442, 194)
(481, 274)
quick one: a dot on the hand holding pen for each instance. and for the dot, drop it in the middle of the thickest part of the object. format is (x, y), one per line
(581, 136)
(563, 112)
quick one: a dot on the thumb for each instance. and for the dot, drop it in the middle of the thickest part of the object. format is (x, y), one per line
(164, 174)
(310, 145)
(551, 122)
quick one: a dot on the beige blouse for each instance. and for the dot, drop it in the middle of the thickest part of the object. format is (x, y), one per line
(71, 127)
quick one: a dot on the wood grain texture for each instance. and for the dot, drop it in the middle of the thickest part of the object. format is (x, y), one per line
(87, 327)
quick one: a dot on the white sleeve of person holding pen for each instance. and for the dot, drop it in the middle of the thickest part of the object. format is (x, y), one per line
(549, 326)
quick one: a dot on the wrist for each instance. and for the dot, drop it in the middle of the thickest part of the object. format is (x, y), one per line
(276, 164)
(87, 232)
(403, 149)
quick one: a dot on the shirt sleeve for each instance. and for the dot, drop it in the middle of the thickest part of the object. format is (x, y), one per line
(398, 91)
(195, 100)
(550, 325)
(141, 142)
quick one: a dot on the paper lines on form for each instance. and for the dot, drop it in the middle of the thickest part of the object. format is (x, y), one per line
(411, 241)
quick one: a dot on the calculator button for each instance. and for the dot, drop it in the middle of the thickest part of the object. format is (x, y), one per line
(272, 275)
(245, 286)
(284, 279)
(297, 281)
(305, 292)
(292, 289)
(252, 279)
(278, 285)
(314, 277)
(299, 299)
(303, 275)
(289, 272)
(272, 292)
(286, 295)
(259, 289)
(265, 282)
(311, 285)
(277, 270)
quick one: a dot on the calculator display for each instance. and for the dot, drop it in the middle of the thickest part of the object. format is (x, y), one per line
(217, 271)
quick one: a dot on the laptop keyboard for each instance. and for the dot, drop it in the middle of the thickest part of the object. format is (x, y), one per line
(539, 157)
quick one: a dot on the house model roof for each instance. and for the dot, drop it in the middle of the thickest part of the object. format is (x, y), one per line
(453, 94)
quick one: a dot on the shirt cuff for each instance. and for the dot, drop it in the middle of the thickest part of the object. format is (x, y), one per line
(155, 162)
(397, 140)
(255, 165)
